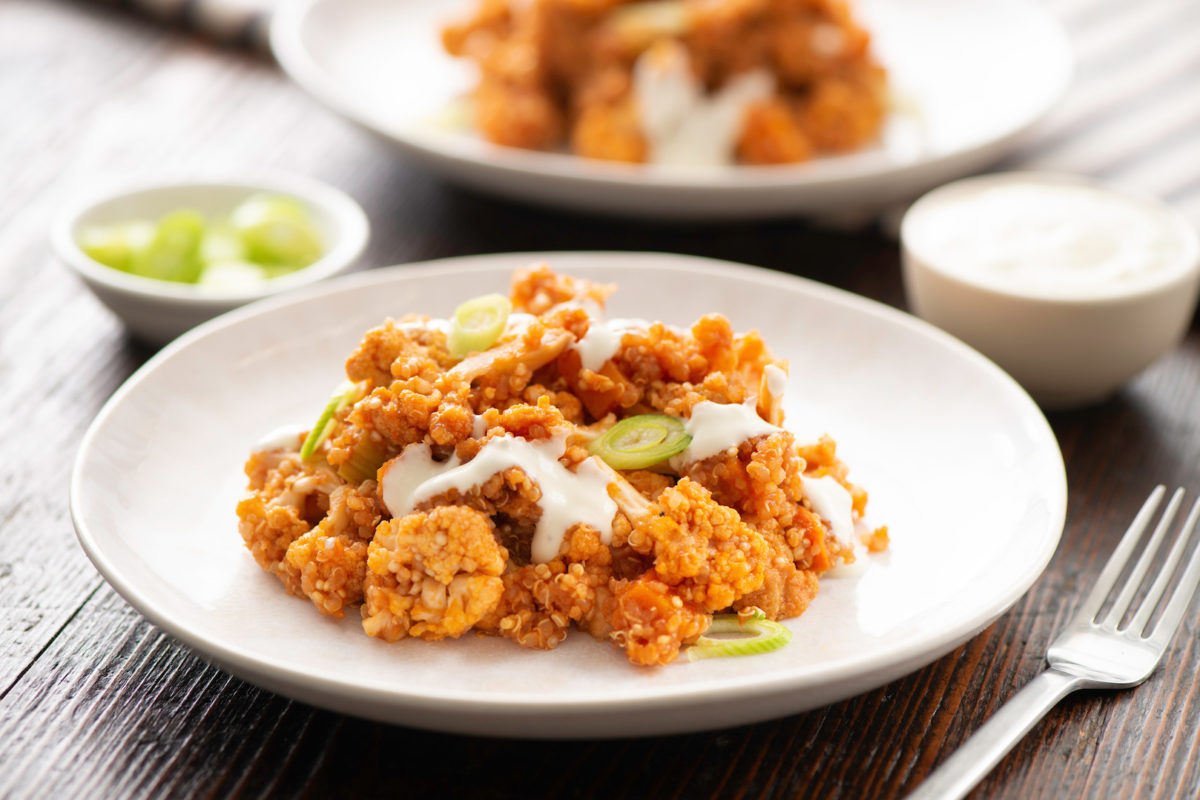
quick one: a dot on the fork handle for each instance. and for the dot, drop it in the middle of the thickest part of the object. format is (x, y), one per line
(958, 774)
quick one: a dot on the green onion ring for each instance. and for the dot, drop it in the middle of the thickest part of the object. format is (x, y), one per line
(641, 441)
(344, 395)
(477, 324)
(765, 635)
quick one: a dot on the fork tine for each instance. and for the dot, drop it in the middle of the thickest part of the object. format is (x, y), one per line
(1138, 623)
(1172, 615)
(1116, 562)
(1125, 596)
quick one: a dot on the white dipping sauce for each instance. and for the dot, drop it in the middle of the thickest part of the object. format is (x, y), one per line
(568, 498)
(680, 123)
(1045, 235)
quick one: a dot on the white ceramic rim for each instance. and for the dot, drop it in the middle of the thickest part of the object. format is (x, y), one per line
(280, 673)
(287, 44)
(1185, 266)
(354, 230)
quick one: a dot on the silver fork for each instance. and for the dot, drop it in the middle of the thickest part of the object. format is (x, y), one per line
(1093, 652)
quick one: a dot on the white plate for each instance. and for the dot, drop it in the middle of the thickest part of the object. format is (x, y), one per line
(968, 78)
(960, 464)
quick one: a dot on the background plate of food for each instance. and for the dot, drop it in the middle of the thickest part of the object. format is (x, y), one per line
(961, 467)
(681, 108)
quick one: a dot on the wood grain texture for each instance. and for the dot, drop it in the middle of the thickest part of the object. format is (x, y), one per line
(94, 701)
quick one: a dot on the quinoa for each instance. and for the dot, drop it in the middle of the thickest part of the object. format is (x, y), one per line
(686, 540)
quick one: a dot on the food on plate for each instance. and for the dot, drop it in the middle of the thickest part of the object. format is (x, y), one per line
(263, 237)
(673, 81)
(529, 466)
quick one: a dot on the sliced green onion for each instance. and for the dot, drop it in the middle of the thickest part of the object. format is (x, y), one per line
(115, 245)
(276, 270)
(276, 230)
(365, 460)
(478, 323)
(343, 396)
(172, 254)
(232, 276)
(642, 441)
(221, 243)
(764, 636)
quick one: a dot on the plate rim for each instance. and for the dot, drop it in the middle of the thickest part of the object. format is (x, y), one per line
(277, 672)
(296, 60)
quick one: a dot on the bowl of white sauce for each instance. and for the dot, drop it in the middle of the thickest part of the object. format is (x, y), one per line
(1070, 285)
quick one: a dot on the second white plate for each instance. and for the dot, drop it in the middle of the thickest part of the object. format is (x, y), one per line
(959, 462)
(968, 78)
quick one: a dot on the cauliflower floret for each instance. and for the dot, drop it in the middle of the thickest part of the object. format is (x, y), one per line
(432, 574)
(821, 459)
(587, 582)
(537, 289)
(511, 495)
(762, 480)
(541, 600)
(506, 368)
(701, 549)
(395, 349)
(286, 499)
(668, 370)
(331, 569)
(268, 532)
(520, 617)
(538, 420)
(567, 404)
(399, 414)
(331, 559)
(652, 622)
(382, 424)
(786, 591)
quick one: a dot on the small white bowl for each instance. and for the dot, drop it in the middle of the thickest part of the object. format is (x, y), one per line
(157, 311)
(1068, 343)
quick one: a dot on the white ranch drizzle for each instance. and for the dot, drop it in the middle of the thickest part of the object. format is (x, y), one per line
(479, 427)
(286, 437)
(603, 340)
(832, 503)
(568, 498)
(441, 325)
(404, 475)
(681, 124)
(591, 307)
(518, 321)
(776, 380)
(716, 427)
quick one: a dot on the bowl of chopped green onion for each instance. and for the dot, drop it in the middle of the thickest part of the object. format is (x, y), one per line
(167, 256)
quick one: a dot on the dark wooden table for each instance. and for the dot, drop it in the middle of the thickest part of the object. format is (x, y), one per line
(94, 701)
